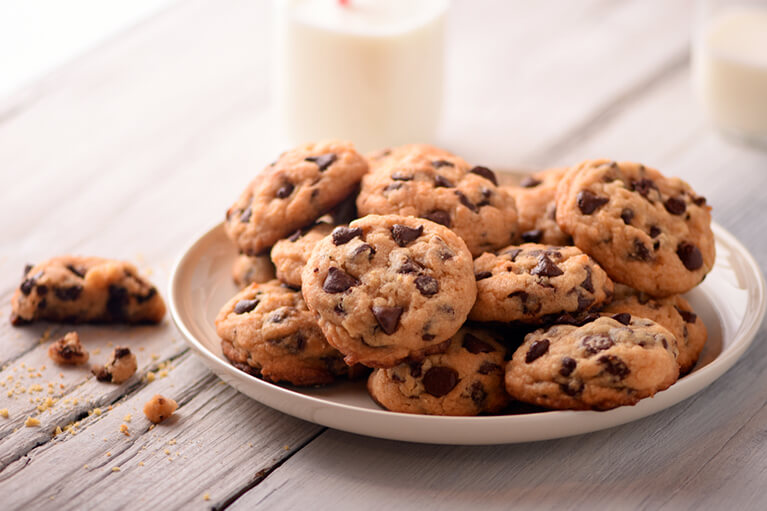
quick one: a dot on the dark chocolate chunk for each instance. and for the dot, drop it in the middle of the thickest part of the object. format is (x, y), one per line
(69, 293)
(387, 317)
(537, 350)
(439, 216)
(587, 284)
(399, 176)
(28, 268)
(546, 267)
(392, 186)
(439, 381)
(627, 215)
(699, 201)
(641, 252)
(244, 306)
(597, 343)
(426, 285)
(363, 248)
(245, 216)
(513, 253)
(323, 161)
(532, 236)
(77, 271)
(403, 234)
(622, 317)
(589, 202)
(614, 366)
(568, 366)
(442, 182)
(486, 173)
(690, 256)
(643, 186)
(442, 163)
(26, 286)
(338, 281)
(687, 316)
(285, 190)
(488, 367)
(466, 202)
(474, 344)
(654, 231)
(121, 352)
(342, 235)
(477, 393)
(101, 373)
(529, 182)
(482, 275)
(117, 301)
(415, 369)
(409, 266)
(584, 302)
(675, 206)
(42, 290)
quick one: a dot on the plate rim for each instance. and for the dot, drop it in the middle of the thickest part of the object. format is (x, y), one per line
(593, 420)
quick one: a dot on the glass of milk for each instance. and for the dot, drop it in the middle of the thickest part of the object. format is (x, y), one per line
(730, 66)
(370, 71)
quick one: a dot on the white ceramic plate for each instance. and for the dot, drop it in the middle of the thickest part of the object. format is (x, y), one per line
(731, 302)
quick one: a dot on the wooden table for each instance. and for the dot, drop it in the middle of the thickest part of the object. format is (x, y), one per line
(139, 145)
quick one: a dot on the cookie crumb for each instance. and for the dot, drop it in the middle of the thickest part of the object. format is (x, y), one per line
(120, 367)
(57, 431)
(4, 413)
(206, 497)
(32, 422)
(127, 417)
(115, 469)
(286, 447)
(159, 408)
(150, 376)
(68, 350)
(140, 463)
(124, 429)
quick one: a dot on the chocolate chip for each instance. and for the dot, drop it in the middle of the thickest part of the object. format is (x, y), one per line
(277, 316)
(537, 350)
(426, 285)
(415, 369)
(245, 216)
(523, 296)
(442, 163)
(643, 186)
(364, 247)
(486, 173)
(641, 252)
(614, 366)
(532, 236)
(656, 246)
(690, 256)
(399, 176)
(446, 254)
(675, 206)
(42, 290)
(687, 316)
(572, 388)
(387, 317)
(338, 281)
(622, 317)
(513, 253)
(42, 304)
(294, 237)
(428, 337)
(529, 182)
(26, 286)
(596, 343)
(342, 235)
(587, 284)
(568, 366)
(439, 217)
(438, 381)
(477, 393)
(654, 231)
(627, 215)
(699, 201)
(589, 202)
(442, 182)
(121, 352)
(323, 161)
(474, 344)
(403, 234)
(27, 268)
(482, 275)
(466, 202)
(117, 301)
(392, 186)
(244, 306)
(285, 190)
(409, 266)
(69, 293)
(488, 367)
(546, 267)
(486, 194)
(79, 272)
(584, 302)
(101, 373)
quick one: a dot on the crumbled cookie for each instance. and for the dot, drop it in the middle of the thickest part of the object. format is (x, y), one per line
(119, 368)
(674, 313)
(427, 182)
(606, 363)
(292, 192)
(68, 350)
(387, 288)
(537, 207)
(646, 230)
(159, 408)
(267, 331)
(535, 284)
(290, 255)
(76, 289)
(467, 379)
(249, 269)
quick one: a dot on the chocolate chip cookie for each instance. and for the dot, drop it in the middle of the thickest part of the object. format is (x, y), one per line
(290, 255)
(646, 230)
(537, 207)
(427, 182)
(292, 192)
(249, 269)
(267, 331)
(387, 288)
(674, 313)
(76, 289)
(467, 379)
(535, 284)
(606, 363)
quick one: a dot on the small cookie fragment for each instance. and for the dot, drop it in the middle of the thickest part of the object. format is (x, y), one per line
(467, 379)
(600, 365)
(119, 368)
(68, 350)
(249, 269)
(159, 408)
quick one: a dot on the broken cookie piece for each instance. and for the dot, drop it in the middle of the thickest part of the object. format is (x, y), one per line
(159, 408)
(68, 350)
(120, 367)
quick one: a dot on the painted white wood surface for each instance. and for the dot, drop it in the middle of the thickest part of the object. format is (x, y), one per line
(138, 146)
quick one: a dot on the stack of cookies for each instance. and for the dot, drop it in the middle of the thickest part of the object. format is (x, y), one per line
(462, 295)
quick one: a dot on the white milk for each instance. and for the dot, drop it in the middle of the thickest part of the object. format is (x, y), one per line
(730, 71)
(369, 71)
